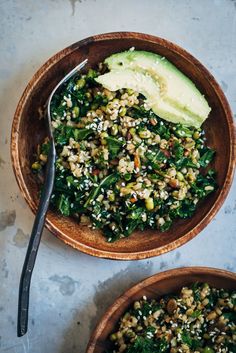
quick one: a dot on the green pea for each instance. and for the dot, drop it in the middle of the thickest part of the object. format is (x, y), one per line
(111, 197)
(103, 141)
(76, 111)
(196, 135)
(36, 166)
(88, 96)
(208, 350)
(149, 203)
(104, 134)
(180, 176)
(130, 91)
(175, 194)
(80, 83)
(190, 144)
(144, 134)
(91, 74)
(113, 337)
(123, 111)
(114, 130)
(132, 131)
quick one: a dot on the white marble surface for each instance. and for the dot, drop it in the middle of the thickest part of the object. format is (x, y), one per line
(69, 287)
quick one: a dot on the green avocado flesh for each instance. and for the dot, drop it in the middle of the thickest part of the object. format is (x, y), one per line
(147, 86)
(169, 93)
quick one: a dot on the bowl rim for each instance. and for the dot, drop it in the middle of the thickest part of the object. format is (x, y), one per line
(90, 250)
(157, 277)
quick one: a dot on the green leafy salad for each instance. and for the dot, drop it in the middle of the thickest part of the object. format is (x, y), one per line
(199, 319)
(124, 163)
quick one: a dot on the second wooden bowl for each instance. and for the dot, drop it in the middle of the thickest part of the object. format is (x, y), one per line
(163, 283)
(28, 131)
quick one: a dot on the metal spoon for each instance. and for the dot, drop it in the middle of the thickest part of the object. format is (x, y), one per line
(24, 289)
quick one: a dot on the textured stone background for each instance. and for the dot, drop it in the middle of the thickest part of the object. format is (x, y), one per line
(70, 290)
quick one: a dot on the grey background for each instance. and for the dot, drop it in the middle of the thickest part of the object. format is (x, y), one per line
(69, 287)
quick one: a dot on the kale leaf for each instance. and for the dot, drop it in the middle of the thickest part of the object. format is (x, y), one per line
(105, 183)
(206, 157)
(114, 146)
(146, 345)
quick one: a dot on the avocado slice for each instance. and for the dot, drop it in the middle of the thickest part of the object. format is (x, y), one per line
(147, 86)
(170, 113)
(127, 78)
(175, 88)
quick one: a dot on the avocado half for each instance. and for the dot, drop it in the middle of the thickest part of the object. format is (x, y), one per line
(169, 93)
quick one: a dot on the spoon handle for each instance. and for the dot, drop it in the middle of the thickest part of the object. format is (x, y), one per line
(24, 289)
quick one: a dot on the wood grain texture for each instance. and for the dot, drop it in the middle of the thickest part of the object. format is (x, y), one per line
(155, 287)
(28, 131)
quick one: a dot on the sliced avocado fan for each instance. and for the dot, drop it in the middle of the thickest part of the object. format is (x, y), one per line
(149, 88)
(178, 100)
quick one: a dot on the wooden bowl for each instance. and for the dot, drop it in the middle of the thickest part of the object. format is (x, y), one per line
(154, 287)
(28, 131)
